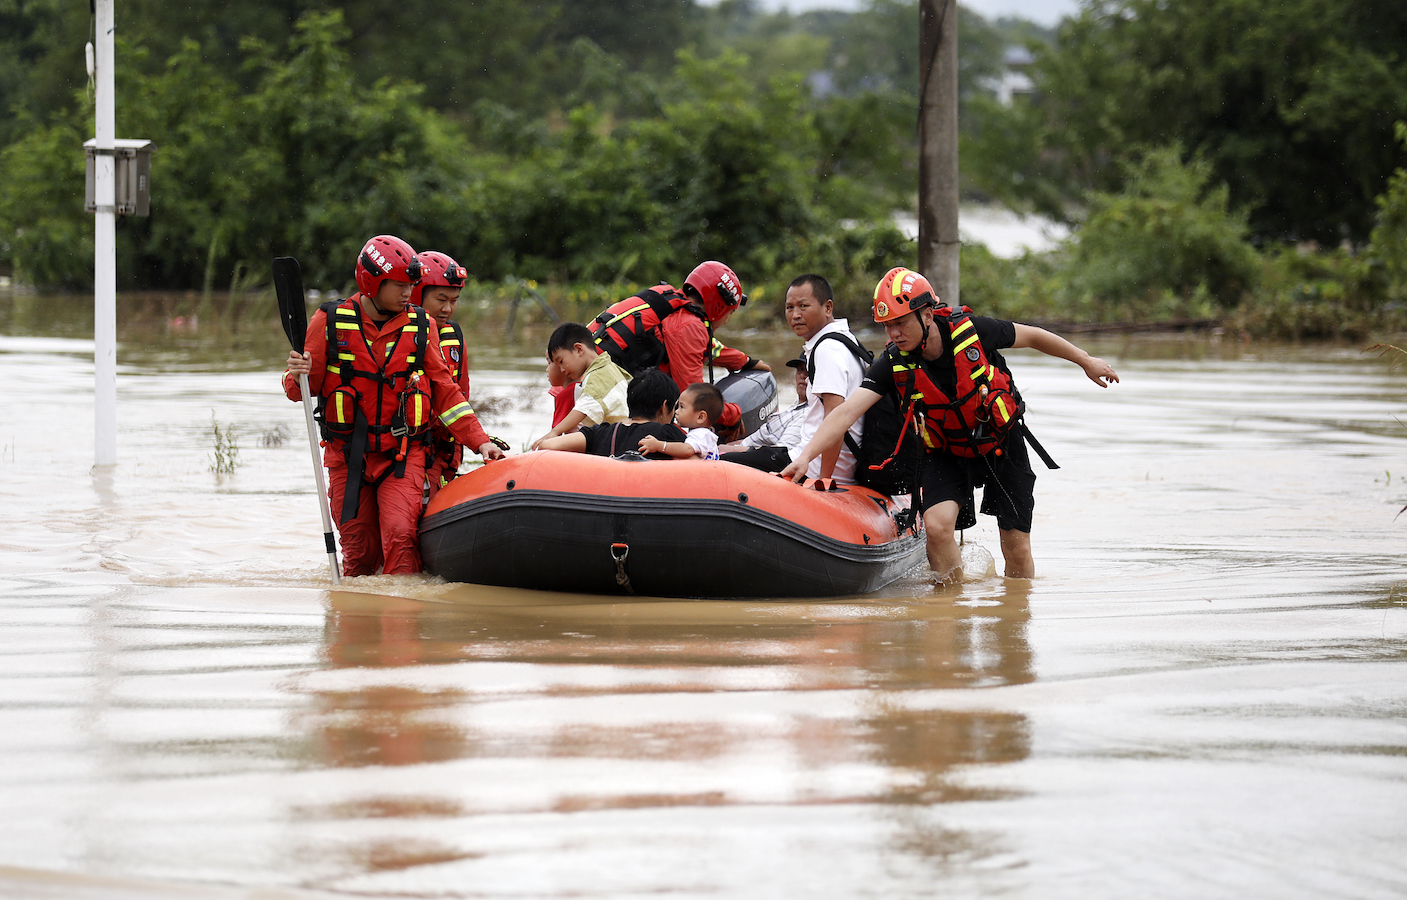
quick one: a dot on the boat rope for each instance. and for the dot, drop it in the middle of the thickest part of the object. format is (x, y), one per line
(619, 552)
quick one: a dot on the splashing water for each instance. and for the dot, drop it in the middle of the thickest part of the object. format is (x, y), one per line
(978, 564)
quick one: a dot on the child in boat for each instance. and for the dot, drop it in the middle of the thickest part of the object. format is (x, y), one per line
(603, 383)
(651, 398)
(698, 410)
(563, 393)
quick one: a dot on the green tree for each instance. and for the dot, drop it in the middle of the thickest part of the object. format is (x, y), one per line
(1389, 245)
(42, 66)
(313, 158)
(45, 237)
(1291, 103)
(1168, 245)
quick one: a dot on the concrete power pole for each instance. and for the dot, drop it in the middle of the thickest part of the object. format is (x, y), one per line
(938, 243)
(105, 246)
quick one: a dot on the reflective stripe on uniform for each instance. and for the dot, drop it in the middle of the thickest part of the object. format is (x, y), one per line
(456, 412)
(629, 312)
(342, 411)
(418, 410)
(958, 348)
(1001, 408)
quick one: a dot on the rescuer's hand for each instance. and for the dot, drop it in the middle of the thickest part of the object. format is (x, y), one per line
(490, 450)
(299, 363)
(1100, 372)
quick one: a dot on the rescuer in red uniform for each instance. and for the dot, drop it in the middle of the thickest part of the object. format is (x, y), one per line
(673, 329)
(375, 364)
(437, 292)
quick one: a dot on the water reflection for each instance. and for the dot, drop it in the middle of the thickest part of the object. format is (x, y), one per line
(1219, 625)
(774, 702)
(381, 724)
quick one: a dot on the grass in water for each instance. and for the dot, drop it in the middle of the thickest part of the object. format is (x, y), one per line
(226, 450)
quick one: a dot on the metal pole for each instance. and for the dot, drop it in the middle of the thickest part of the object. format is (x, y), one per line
(105, 247)
(938, 243)
(328, 540)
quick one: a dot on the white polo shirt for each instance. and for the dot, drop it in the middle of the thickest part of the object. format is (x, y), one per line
(837, 372)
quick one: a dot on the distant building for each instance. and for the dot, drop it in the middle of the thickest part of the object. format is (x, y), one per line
(1013, 81)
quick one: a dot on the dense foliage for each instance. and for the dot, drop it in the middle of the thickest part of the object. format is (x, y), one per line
(1216, 158)
(315, 129)
(1292, 104)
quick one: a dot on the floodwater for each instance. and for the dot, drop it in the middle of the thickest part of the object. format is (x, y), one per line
(1203, 694)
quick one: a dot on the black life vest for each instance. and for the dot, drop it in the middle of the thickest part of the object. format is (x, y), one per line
(888, 455)
(630, 330)
(984, 407)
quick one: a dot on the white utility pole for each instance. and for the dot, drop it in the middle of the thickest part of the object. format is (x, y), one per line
(105, 247)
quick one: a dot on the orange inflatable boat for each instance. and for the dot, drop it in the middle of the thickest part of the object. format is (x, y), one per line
(552, 520)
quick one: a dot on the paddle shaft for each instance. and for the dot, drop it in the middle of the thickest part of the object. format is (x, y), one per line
(328, 540)
(288, 286)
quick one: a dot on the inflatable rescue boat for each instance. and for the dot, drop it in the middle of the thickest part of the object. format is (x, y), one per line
(558, 521)
(561, 521)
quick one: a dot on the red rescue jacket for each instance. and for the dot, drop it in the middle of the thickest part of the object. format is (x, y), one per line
(392, 393)
(984, 407)
(453, 350)
(378, 388)
(630, 330)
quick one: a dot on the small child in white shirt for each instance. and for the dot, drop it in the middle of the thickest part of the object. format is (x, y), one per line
(699, 407)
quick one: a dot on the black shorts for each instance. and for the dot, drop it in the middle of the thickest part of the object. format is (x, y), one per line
(1009, 485)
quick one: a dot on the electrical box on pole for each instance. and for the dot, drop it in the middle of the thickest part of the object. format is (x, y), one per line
(133, 176)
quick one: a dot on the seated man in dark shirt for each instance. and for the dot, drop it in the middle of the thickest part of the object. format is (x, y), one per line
(650, 400)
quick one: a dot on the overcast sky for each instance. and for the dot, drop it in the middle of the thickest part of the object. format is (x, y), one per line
(1045, 12)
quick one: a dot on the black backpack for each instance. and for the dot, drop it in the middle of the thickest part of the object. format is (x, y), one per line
(883, 462)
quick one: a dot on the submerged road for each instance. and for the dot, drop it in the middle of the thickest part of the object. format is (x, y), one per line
(1202, 694)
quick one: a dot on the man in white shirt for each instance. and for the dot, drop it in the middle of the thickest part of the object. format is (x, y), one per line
(833, 369)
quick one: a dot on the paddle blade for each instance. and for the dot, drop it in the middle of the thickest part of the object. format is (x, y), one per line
(293, 310)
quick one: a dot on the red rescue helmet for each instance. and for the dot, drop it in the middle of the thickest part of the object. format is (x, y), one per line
(386, 257)
(900, 292)
(717, 287)
(437, 270)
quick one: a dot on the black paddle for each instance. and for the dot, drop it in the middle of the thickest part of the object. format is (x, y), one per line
(288, 284)
(293, 311)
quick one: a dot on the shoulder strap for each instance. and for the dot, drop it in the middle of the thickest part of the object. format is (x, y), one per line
(455, 330)
(856, 348)
(328, 311)
(422, 332)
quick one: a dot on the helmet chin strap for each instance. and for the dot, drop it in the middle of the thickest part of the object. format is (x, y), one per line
(377, 306)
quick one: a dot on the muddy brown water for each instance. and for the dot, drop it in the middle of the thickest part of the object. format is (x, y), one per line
(1202, 694)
